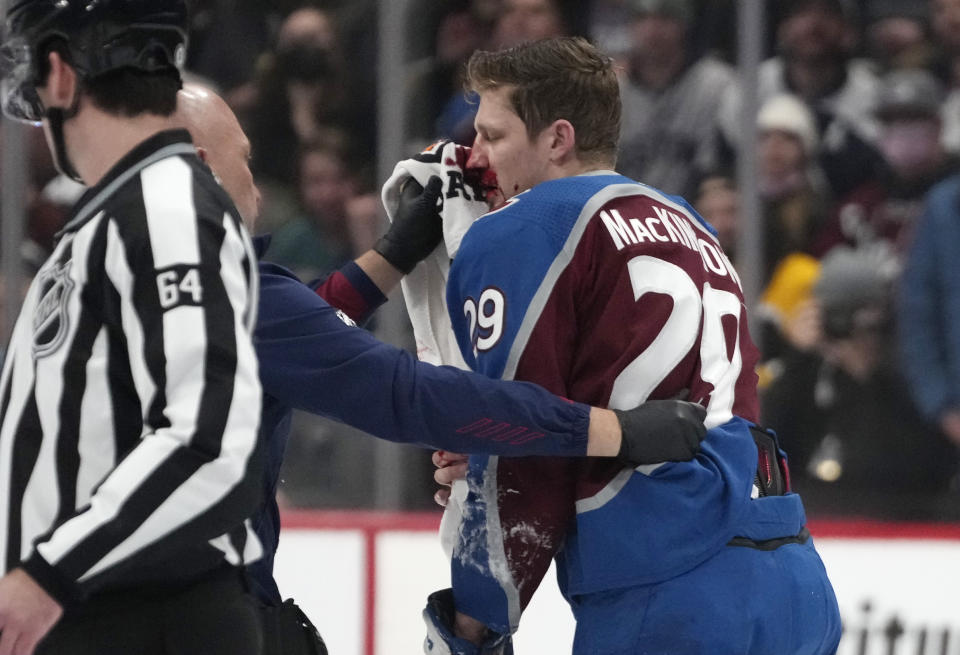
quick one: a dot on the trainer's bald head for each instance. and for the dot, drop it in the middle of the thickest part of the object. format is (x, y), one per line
(221, 143)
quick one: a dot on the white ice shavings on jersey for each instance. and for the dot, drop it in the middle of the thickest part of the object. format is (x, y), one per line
(533, 540)
(471, 551)
(528, 533)
(485, 552)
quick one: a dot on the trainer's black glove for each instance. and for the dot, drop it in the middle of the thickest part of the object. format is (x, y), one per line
(416, 229)
(661, 431)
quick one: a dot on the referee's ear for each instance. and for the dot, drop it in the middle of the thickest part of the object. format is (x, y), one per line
(60, 84)
(202, 154)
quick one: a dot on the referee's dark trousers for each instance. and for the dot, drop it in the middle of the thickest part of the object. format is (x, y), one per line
(213, 616)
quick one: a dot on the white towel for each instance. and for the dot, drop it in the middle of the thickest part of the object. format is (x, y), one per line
(424, 289)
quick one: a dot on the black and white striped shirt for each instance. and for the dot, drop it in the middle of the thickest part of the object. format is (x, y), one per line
(130, 399)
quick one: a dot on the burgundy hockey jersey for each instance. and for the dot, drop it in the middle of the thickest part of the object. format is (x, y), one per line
(608, 292)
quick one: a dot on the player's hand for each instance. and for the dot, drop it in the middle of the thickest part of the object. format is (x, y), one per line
(661, 431)
(417, 227)
(450, 468)
(27, 613)
(441, 638)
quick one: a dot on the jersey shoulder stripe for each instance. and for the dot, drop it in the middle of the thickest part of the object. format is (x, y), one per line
(537, 231)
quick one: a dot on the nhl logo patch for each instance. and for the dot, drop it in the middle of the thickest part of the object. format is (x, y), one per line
(50, 318)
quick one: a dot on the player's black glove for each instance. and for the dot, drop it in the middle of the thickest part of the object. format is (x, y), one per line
(416, 229)
(441, 640)
(661, 431)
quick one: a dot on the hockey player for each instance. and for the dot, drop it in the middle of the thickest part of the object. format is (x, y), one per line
(313, 359)
(609, 292)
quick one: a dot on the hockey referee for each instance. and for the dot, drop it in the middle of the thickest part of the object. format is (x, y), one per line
(129, 399)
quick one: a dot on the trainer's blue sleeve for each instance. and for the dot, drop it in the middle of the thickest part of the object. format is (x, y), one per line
(311, 359)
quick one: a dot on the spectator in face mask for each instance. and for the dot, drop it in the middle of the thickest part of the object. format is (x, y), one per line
(887, 207)
(304, 90)
(306, 46)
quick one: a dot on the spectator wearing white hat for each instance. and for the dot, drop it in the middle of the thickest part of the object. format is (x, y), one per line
(793, 191)
(794, 202)
(815, 44)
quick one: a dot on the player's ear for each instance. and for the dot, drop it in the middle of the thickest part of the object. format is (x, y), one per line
(562, 138)
(202, 154)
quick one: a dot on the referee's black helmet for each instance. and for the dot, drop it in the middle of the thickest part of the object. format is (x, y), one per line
(97, 36)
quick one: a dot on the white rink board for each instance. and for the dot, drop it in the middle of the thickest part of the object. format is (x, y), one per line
(402, 592)
(325, 571)
(914, 580)
(409, 567)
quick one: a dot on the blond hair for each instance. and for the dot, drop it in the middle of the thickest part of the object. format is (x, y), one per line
(558, 78)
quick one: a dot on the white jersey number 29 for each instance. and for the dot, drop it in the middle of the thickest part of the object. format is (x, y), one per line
(485, 317)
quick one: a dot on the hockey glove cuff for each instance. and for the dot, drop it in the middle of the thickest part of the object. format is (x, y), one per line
(661, 431)
(417, 227)
(441, 640)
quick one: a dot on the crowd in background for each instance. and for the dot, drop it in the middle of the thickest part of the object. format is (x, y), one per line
(857, 155)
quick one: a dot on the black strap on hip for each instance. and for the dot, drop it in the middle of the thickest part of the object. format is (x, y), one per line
(771, 544)
(773, 475)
